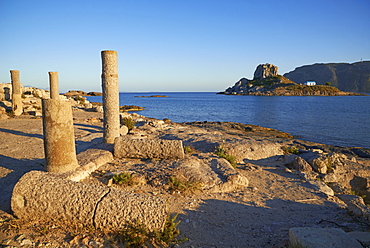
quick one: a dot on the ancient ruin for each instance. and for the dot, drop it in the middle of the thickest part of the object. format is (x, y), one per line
(110, 95)
(59, 140)
(16, 93)
(54, 85)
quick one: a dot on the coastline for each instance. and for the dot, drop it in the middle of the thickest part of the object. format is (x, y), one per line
(274, 112)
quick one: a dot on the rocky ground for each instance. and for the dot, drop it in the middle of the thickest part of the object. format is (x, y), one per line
(252, 205)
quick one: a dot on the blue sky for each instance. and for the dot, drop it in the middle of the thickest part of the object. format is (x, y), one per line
(175, 45)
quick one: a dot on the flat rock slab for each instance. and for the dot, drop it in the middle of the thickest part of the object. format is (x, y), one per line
(40, 195)
(362, 237)
(89, 161)
(127, 147)
(322, 238)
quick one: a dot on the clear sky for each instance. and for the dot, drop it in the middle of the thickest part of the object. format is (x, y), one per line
(176, 45)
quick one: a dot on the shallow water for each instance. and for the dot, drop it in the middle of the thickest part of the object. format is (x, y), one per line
(335, 120)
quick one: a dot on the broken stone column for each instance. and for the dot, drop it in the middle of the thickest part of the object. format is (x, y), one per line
(125, 147)
(43, 196)
(17, 107)
(110, 96)
(54, 85)
(59, 140)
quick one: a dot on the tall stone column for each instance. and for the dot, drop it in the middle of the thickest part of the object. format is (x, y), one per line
(59, 140)
(17, 106)
(110, 95)
(54, 85)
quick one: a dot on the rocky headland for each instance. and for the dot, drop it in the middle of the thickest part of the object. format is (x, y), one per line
(267, 82)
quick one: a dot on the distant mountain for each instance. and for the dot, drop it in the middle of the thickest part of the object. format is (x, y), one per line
(346, 77)
(267, 82)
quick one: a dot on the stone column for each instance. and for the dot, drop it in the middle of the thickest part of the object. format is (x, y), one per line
(59, 140)
(17, 107)
(110, 96)
(54, 85)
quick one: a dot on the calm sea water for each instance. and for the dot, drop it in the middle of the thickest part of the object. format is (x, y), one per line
(334, 120)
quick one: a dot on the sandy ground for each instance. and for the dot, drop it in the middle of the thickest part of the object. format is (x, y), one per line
(258, 215)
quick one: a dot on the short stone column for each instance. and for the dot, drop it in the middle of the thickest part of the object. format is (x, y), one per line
(59, 140)
(110, 96)
(17, 107)
(54, 85)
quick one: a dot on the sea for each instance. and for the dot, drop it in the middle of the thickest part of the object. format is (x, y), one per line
(333, 120)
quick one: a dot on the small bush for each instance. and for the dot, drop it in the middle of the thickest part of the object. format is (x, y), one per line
(170, 231)
(124, 178)
(138, 235)
(129, 123)
(290, 150)
(189, 149)
(222, 153)
(183, 185)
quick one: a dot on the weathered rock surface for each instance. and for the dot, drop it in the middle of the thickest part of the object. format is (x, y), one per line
(127, 147)
(252, 149)
(265, 71)
(311, 237)
(42, 196)
(215, 174)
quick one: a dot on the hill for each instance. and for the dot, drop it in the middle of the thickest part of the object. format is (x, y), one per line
(346, 77)
(267, 82)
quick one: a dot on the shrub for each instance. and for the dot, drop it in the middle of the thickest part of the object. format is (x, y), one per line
(124, 178)
(222, 153)
(183, 186)
(290, 150)
(138, 235)
(129, 123)
(189, 149)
